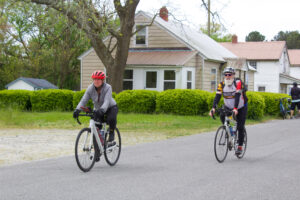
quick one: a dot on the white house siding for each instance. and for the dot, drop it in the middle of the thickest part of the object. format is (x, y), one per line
(196, 63)
(284, 62)
(139, 76)
(267, 76)
(20, 85)
(295, 71)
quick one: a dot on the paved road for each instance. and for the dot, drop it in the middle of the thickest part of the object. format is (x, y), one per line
(181, 168)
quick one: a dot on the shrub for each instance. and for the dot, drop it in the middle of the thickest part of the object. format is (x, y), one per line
(16, 99)
(138, 101)
(272, 102)
(52, 99)
(77, 97)
(256, 105)
(182, 101)
(210, 101)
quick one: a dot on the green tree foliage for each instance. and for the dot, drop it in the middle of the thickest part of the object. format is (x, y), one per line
(96, 18)
(40, 43)
(217, 33)
(292, 38)
(255, 36)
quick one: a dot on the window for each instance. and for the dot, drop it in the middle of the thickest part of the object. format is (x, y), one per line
(151, 79)
(189, 80)
(253, 64)
(128, 80)
(169, 79)
(213, 83)
(261, 88)
(141, 36)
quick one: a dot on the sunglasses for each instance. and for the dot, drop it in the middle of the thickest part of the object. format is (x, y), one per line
(227, 74)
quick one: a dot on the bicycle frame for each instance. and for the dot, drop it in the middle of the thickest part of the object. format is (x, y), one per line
(95, 133)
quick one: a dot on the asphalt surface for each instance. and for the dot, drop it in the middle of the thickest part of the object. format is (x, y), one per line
(181, 168)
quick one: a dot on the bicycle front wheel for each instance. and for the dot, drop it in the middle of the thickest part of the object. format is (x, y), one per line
(221, 144)
(244, 144)
(112, 152)
(84, 150)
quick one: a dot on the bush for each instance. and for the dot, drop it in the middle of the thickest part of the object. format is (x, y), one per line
(272, 102)
(52, 99)
(16, 99)
(210, 101)
(182, 101)
(77, 97)
(138, 101)
(256, 105)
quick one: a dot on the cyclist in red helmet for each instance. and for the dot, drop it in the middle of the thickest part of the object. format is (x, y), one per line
(101, 95)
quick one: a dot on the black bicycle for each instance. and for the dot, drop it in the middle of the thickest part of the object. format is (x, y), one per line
(226, 137)
(95, 135)
(285, 107)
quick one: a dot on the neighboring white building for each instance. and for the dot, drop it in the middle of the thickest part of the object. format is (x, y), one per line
(271, 61)
(294, 56)
(30, 84)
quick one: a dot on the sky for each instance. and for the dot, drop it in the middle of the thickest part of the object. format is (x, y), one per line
(239, 17)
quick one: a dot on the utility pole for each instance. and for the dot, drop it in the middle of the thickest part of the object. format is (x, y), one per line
(208, 20)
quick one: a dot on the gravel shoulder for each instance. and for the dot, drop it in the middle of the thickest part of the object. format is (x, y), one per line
(24, 145)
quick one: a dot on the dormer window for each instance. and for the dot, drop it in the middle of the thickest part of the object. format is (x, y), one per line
(141, 36)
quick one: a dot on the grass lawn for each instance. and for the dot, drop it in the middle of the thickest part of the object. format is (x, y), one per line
(137, 124)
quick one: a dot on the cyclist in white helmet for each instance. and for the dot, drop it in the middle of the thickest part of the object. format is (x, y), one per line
(235, 99)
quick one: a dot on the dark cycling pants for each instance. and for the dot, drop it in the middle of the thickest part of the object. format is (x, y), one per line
(111, 117)
(241, 119)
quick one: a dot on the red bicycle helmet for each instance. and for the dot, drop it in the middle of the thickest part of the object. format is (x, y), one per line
(98, 75)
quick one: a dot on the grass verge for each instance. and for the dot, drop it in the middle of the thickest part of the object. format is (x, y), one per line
(168, 125)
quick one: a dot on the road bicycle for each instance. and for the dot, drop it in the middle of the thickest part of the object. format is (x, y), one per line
(226, 137)
(285, 107)
(95, 136)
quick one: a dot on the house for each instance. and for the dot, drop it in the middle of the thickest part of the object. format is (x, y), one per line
(270, 61)
(294, 57)
(30, 84)
(167, 55)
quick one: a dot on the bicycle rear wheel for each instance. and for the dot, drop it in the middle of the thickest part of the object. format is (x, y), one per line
(221, 144)
(112, 153)
(244, 144)
(84, 153)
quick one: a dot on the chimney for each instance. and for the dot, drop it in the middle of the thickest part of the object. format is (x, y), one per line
(163, 13)
(234, 39)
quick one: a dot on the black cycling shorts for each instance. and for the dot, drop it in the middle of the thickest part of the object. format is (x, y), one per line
(293, 106)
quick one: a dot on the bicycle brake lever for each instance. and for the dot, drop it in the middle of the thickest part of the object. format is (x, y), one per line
(78, 121)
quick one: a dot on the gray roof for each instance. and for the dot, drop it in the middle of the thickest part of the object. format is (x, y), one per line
(206, 46)
(35, 83)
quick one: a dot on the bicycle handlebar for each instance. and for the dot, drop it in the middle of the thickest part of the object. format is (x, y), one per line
(225, 111)
(88, 113)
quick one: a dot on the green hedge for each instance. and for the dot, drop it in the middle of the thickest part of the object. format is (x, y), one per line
(138, 101)
(77, 97)
(272, 102)
(182, 102)
(210, 101)
(52, 99)
(16, 99)
(256, 105)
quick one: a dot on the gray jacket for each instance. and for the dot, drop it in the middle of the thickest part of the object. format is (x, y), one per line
(103, 101)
